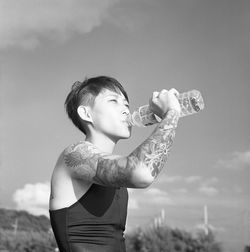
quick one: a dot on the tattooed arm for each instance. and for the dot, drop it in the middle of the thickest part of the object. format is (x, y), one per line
(137, 170)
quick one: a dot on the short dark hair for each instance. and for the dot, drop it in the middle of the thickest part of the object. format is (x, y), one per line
(84, 93)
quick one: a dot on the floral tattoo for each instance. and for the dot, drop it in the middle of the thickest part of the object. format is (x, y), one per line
(89, 163)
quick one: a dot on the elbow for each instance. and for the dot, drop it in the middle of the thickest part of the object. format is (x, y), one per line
(144, 184)
(142, 177)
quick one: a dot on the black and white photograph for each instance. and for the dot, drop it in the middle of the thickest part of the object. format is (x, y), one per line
(124, 126)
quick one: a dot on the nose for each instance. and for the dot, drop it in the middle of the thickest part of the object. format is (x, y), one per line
(126, 111)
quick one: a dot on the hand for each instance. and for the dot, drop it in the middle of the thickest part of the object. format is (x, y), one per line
(161, 102)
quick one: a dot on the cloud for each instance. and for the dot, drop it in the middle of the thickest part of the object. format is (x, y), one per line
(132, 202)
(149, 196)
(163, 178)
(211, 181)
(33, 198)
(181, 190)
(208, 190)
(157, 196)
(193, 179)
(204, 185)
(237, 160)
(178, 178)
(207, 187)
(24, 23)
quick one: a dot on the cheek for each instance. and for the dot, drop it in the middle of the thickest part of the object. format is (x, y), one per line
(107, 119)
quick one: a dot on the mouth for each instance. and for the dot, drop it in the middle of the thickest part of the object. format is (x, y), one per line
(127, 123)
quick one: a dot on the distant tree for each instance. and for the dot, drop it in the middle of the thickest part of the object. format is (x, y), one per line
(24, 232)
(208, 242)
(24, 241)
(26, 221)
(164, 239)
(34, 234)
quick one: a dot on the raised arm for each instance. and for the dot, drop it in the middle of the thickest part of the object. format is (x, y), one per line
(137, 170)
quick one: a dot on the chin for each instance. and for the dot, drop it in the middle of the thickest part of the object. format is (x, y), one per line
(119, 133)
(125, 137)
(127, 134)
(122, 135)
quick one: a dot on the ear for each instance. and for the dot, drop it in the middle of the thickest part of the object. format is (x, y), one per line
(84, 113)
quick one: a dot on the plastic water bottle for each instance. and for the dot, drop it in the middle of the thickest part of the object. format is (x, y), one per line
(191, 102)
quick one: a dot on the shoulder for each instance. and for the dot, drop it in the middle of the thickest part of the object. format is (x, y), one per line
(78, 153)
(82, 147)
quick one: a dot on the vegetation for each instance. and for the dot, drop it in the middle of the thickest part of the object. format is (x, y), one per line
(23, 241)
(24, 220)
(165, 239)
(23, 232)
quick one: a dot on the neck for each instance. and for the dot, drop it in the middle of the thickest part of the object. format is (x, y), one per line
(102, 142)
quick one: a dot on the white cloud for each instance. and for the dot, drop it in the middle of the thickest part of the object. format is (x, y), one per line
(33, 198)
(157, 196)
(149, 196)
(169, 179)
(211, 181)
(175, 179)
(155, 192)
(132, 202)
(207, 187)
(237, 160)
(24, 23)
(208, 190)
(181, 190)
(193, 179)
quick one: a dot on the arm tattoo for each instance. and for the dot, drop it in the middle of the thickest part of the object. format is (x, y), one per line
(87, 162)
(155, 150)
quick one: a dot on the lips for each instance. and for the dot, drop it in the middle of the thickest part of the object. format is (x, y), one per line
(127, 123)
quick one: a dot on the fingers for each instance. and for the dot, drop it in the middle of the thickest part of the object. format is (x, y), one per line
(163, 93)
(155, 95)
(174, 91)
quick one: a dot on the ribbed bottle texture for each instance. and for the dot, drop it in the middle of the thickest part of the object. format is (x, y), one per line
(191, 102)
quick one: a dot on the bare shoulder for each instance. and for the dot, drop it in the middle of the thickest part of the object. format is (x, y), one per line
(80, 153)
(82, 145)
(81, 158)
(65, 190)
(84, 160)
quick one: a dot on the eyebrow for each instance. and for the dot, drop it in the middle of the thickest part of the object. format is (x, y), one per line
(117, 96)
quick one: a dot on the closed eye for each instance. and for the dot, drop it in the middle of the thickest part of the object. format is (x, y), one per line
(114, 100)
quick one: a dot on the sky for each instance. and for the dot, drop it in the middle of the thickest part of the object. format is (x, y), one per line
(47, 45)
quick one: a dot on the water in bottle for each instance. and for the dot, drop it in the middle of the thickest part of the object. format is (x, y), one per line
(191, 102)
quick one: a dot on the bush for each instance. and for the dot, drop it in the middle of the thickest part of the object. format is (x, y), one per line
(24, 241)
(164, 239)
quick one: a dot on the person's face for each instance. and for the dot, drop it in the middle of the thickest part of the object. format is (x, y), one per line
(109, 114)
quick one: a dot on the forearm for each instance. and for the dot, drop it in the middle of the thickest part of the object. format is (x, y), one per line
(154, 151)
(139, 169)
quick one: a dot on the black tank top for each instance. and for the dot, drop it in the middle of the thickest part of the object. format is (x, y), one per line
(95, 223)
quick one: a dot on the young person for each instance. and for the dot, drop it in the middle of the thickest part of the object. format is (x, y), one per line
(88, 202)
